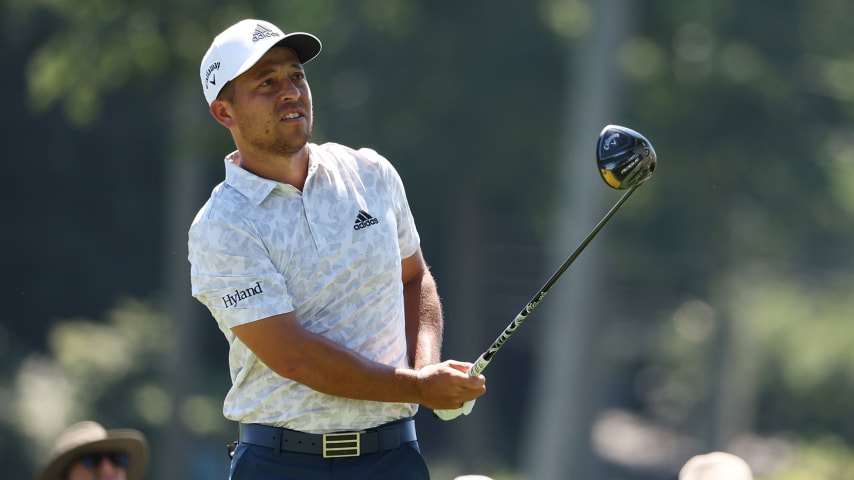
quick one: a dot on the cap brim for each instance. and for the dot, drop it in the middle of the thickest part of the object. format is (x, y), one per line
(306, 45)
(120, 440)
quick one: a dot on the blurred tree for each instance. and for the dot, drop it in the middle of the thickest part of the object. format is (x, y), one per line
(564, 404)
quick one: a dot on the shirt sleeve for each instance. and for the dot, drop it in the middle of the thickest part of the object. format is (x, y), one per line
(407, 233)
(232, 275)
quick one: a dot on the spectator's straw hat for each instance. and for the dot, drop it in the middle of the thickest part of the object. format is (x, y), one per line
(90, 437)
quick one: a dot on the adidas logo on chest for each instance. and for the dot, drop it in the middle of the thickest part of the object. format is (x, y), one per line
(364, 220)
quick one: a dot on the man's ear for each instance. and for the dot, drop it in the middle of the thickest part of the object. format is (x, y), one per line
(219, 110)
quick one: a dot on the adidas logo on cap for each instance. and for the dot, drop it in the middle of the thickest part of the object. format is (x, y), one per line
(262, 32)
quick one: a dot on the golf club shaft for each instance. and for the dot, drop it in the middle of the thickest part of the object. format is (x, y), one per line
(484, 359)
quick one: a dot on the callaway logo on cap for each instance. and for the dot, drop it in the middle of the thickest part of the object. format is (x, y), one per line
(241, 45)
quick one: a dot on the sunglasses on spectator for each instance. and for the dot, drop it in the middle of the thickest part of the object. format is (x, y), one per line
(92, 460)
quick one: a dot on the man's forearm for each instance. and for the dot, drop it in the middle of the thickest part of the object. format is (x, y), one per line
(332, 369)
(424, 322)
(326, 366)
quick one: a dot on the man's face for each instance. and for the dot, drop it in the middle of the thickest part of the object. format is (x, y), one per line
(271, 104)
(99, 467)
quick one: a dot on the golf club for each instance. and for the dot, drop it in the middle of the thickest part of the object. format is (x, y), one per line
(626, 160)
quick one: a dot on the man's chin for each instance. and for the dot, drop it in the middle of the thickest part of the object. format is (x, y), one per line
(283, 146)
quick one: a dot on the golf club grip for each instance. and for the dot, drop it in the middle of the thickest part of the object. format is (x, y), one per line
(483, 360)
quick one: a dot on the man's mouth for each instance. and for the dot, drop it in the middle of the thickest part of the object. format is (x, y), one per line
(291, 116)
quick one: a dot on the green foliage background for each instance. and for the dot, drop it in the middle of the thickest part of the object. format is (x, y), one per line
(732, 269)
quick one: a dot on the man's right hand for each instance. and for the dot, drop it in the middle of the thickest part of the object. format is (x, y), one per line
(447, 385)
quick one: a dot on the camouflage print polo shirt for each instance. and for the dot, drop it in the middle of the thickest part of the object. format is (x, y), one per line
(331, 254)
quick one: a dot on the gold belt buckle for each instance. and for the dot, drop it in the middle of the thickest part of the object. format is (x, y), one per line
(342, 444)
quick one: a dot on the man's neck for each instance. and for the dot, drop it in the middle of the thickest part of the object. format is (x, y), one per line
(290, 169)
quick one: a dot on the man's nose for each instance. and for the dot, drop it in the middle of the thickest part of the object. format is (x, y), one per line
(289, 91)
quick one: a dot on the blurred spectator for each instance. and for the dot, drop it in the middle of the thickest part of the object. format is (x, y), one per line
(87, 451)
(715, 466)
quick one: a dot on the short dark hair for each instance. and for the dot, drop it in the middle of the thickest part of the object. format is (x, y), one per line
(226, 93)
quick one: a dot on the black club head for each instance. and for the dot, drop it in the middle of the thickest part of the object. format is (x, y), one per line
(625, 157)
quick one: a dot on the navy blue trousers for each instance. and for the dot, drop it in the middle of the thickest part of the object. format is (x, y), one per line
(253, 462)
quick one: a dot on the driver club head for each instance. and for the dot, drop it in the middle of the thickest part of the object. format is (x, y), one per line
(625, 157)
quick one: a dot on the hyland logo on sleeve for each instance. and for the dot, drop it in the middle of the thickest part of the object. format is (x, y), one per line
(231, 300)
(364, 220)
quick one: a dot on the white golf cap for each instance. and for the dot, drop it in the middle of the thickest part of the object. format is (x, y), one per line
(237, 48)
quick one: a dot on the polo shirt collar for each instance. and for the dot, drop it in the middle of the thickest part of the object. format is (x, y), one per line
(256, 188)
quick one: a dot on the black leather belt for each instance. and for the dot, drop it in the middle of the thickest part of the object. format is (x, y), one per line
(331, 445)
